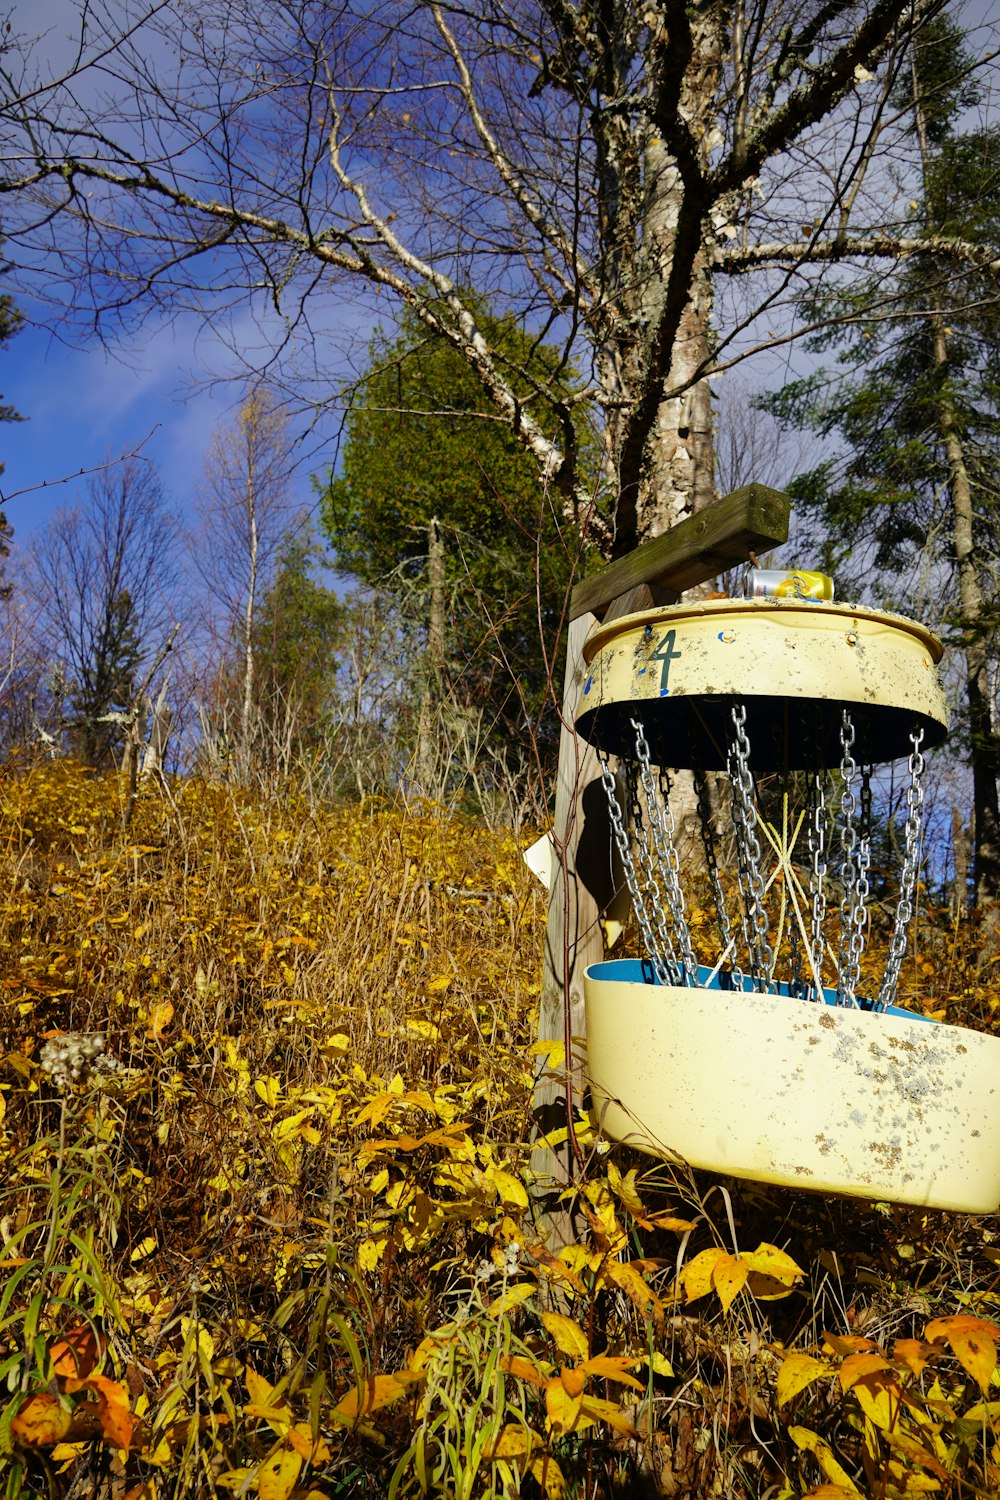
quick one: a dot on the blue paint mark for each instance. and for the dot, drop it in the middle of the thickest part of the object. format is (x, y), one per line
(587, 685)
(664, 692)
(641, 672)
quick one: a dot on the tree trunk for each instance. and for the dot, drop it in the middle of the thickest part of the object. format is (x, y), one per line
(983, 745)
(430, 701)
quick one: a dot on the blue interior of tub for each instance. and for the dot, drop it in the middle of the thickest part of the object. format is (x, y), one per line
(641, 971)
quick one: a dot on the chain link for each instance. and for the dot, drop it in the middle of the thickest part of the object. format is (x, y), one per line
(817, 849)
(755, 925)
(647, 929)
(847, 973)
(714, 879)
(908, 877)
(660, 818)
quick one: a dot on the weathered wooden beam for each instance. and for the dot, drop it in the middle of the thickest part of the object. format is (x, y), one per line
(752, 519)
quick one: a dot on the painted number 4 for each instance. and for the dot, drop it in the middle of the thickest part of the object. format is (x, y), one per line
(666, 654)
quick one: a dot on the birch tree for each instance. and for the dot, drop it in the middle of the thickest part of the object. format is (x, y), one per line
(594, 168)
(244, 508)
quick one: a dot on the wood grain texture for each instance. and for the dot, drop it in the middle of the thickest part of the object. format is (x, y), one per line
(752, 519)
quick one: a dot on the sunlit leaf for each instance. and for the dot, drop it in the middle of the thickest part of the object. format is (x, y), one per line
(624, 1189)
(76, 1353)
(514, 1441)
(562, 1407)
(278, 1475)
(814, 1443)
(41, 1422)
(268, 1089)
(549, 1476)
(797, 1372)
(768, 1260)
(614, 1367)
(607, 1411)
(858, 1366)
(729, 1275)
(973, 1341)
(568, 1337)
(378, 1391)
(160, 1017)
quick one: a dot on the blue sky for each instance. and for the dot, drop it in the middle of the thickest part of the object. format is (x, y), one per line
(84, 405)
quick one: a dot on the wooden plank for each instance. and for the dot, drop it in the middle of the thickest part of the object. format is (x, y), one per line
(573, 937)
(752, 519)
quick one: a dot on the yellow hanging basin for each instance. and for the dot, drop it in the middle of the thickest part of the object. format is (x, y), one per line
(802, 1094)
(795, 665)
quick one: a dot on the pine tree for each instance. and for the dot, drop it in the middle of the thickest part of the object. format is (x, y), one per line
(436, 499)
(915, 400)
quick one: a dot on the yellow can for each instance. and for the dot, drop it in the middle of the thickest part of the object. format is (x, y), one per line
(778, 583)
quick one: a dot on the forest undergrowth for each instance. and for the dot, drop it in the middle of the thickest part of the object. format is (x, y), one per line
(267, 1225)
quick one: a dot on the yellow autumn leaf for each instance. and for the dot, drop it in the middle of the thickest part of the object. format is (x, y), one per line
(973, 1342)
(812, 1442)
(568, 1337)
(880, 1398)
(312, 1450)
(514, 1441)
(729, 1276)
(631, 1282)
(612, 1367)
(427, 1031)
(562, 1408)
(278, 1475)
(507, 1187)
(696, 1277)
(370, 1252)
(41, 1422)
(547, 1473)
(159, 1019)
(378, 1391)
(624, 1188)
(510, 1297)
(438, 984)
(658, 1363)
(797, 1371)
(768, 1260)
(268, 1089)
(290, 1124)
(606, 1411)
(144, 1248)
(553, 1052)
(339, 1044)
(858, 1366)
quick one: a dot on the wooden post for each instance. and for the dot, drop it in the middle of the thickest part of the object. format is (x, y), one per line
(753, 519)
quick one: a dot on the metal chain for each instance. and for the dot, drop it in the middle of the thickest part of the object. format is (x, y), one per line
(714, 879)
(847, 977)
(660, 819)
(908, 878)
(651, 885)
(748, 851)
(817, 849)
(859, 915)
(647, 930)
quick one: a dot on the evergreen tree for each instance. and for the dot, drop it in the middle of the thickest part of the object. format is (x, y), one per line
(436, 499)
(915, 399)
(296, 635)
